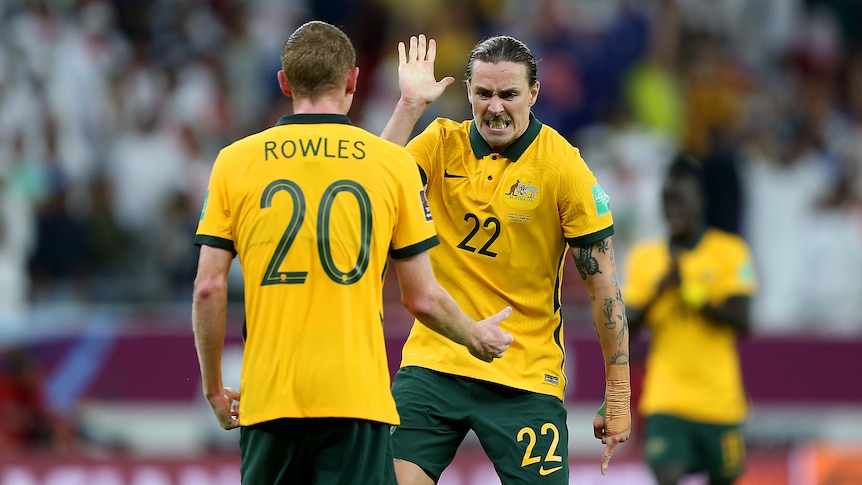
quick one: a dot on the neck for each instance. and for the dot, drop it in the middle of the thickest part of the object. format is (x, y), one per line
(324, 105)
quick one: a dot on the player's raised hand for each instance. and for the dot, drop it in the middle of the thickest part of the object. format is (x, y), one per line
(489, 341)
(226, 408)
(416, 71)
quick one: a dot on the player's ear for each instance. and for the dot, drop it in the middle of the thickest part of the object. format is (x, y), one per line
(534, 93)
(469, 94)
(284, 85)
(352, 80)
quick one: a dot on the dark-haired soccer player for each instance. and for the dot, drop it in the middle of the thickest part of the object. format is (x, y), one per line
(510, 196)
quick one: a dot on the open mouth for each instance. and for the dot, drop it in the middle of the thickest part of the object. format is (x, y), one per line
(498, 123)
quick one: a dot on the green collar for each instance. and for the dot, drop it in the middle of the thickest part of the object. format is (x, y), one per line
(306, 119)
(513, 151)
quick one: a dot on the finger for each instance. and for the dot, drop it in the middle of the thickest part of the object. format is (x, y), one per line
(423, 49)
(504, 314)
(608, 453)
(446, 81)
(432, 50)
(402, 53)
(606, 461)
(231, 393)
(509, 338)
(412, 55)
(231, 424)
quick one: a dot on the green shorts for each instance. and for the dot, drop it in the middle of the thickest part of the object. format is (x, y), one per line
(319, 451)
(700, 447)
(523, 433)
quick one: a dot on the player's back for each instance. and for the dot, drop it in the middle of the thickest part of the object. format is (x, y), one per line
(314, 204)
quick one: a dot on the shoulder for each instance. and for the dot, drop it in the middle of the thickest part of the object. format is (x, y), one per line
(248, 146)
(445, 127)
(555, 148)
(726, 241)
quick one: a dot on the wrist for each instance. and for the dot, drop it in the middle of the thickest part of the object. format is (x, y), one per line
(617, 398)
(412, 106)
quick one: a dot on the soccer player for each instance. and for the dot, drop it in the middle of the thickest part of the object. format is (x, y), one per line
(510, 195)
(691, 290)
(314, 207)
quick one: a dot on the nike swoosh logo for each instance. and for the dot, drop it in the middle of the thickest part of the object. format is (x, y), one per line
(544, 472)
(448, 175)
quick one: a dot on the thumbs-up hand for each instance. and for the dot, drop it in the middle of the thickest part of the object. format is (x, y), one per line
(488, 340)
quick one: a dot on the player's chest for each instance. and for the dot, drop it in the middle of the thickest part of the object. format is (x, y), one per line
(496, 182)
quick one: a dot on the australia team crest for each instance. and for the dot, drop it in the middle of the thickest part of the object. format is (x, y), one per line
(521, 194)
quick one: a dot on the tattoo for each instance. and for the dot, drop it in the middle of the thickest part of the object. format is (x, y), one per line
(603, 246)
(621, 357)
(624, 328)
(587, 264)
(608, 310)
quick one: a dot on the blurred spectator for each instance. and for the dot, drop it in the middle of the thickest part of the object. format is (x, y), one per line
(107, 243)
(27, 423)
(57, 265)
(21, 187)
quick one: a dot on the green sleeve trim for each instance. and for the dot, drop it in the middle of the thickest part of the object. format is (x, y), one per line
(590, 238)
(601, 410)
(216, 242)
(415, 249)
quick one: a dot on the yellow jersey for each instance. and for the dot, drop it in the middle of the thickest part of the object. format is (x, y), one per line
(692, 369)
(505, 221)
(314, 207)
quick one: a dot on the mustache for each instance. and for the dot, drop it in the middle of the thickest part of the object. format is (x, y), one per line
(498, 118)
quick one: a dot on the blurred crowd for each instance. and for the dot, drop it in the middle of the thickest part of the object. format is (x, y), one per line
(112, 112)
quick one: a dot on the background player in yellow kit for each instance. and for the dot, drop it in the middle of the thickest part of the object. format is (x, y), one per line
(691, 290)
(314, 207)
(509, 196)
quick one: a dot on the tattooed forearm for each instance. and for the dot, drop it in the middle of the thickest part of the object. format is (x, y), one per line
(586, 263)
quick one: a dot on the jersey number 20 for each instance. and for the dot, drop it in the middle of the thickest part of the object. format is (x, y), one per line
(275, 277)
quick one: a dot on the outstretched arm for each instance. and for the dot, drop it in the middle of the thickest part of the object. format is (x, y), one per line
(418, 87)
(434, 307)
(595, 263)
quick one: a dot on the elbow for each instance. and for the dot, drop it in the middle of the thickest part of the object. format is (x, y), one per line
(209, 288)
(418, 305)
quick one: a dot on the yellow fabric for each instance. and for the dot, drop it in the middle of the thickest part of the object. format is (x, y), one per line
(315, 345)
(693, 365)
(504, 227)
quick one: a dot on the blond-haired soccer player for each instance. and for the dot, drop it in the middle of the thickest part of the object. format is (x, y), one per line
(314, 207)
(691, 290)
(510, 196)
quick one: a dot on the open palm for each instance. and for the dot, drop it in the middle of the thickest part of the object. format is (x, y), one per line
(416, 72)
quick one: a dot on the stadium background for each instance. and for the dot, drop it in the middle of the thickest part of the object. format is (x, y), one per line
(111, 113)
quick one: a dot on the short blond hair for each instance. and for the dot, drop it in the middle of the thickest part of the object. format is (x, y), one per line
(316, 59)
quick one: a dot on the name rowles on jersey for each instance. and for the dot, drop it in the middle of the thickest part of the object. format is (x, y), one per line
(314, 147)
